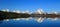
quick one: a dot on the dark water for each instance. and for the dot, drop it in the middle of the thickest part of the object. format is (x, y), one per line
(30, 23)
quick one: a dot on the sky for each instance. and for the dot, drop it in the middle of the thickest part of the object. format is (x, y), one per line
(32, 6)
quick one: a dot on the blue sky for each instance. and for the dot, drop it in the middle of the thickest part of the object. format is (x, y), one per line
(30, 5)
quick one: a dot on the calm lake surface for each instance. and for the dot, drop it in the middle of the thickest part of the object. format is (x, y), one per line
(30, 23)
